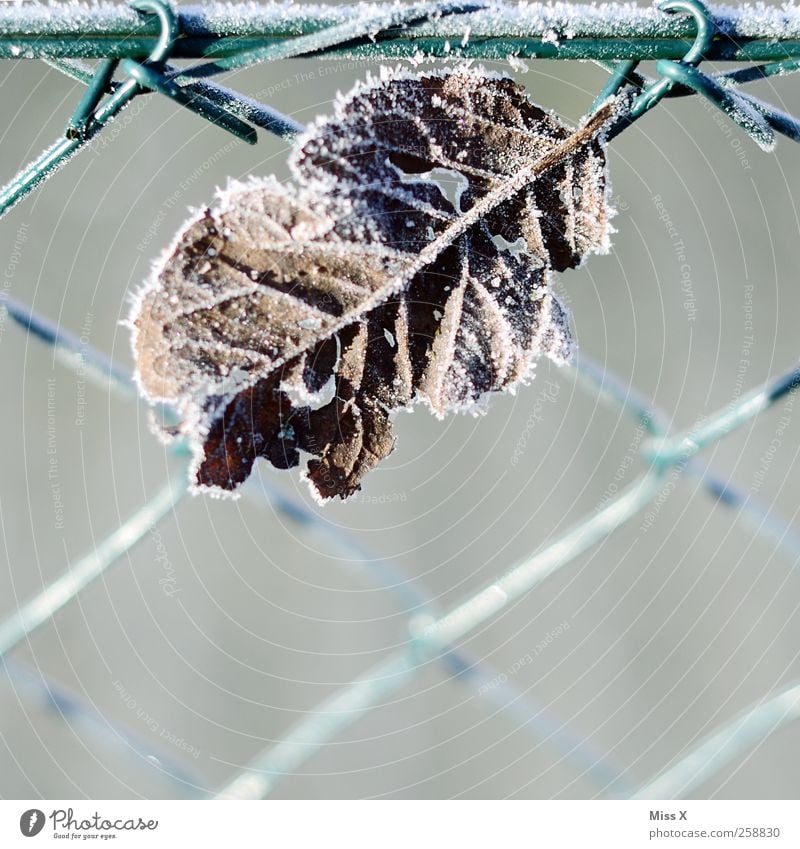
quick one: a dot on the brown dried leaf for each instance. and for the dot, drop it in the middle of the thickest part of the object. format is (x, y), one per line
(409, 261)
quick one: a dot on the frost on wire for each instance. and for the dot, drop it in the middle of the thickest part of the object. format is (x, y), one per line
(409, 260)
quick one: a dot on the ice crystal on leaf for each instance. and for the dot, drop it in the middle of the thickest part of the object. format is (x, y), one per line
(298, 318)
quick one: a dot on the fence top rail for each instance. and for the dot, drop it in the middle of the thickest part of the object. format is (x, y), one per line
(483, 29)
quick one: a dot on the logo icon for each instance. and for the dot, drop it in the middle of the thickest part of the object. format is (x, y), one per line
(31, 822)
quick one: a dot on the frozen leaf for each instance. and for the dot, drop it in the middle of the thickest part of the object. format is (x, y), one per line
(409, 260)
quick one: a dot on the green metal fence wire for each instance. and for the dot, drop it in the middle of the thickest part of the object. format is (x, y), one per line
(494, 30)
(723, 746)
(430, 637)
(226, 37)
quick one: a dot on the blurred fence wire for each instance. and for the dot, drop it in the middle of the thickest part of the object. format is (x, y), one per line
(63, 36)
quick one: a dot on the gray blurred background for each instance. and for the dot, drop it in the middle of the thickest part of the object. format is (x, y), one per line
(672, 628)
